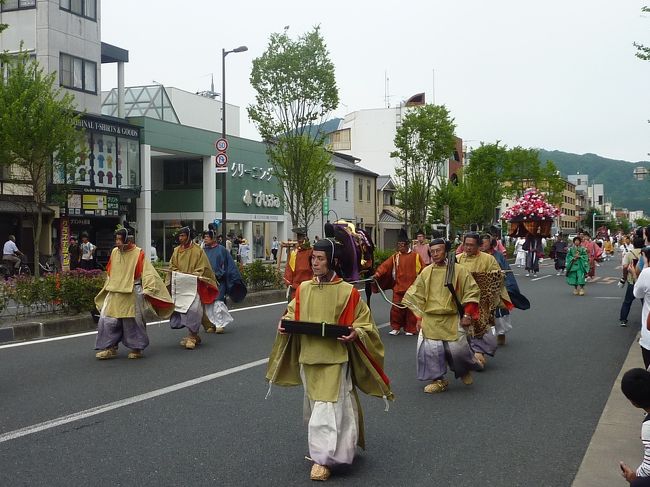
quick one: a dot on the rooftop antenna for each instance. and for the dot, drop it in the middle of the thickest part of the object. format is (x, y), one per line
(209, 93)
(386, 90)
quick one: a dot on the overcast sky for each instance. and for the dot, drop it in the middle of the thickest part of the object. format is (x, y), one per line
(558, 74)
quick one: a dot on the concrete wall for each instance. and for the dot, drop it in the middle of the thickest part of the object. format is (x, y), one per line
(201, 112)
(47, 31)
(371, 137)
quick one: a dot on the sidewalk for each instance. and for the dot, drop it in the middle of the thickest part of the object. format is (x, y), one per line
(617, 436)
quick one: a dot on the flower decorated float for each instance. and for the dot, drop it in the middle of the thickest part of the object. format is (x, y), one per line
(531, 215)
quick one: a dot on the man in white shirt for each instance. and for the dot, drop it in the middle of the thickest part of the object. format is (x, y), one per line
(11, 253)
(87, 253)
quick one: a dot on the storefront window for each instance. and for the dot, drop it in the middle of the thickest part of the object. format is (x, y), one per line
(163, 234)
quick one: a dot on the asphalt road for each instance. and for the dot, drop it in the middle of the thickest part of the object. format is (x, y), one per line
(194, 418)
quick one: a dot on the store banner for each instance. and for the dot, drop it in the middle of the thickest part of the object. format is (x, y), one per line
(64, 243)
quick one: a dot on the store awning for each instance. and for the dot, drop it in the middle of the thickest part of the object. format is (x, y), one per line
(29, 207)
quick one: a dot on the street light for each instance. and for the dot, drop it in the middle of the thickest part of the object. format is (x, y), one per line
(224, 53)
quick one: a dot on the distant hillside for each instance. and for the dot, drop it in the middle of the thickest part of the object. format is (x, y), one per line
(620, 186)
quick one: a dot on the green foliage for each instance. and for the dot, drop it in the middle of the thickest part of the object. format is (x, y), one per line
(381, 255)
(642, 222)
(296, 92)
(258, 276)
(523, 170)
(482, 189)
(425, 141)
(37, 131)
(643, 52)
(72, 291)
(79, 288)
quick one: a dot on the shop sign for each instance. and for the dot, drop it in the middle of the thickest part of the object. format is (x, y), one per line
(107, 127)
(93, 204)
(261, 199)
(64, 240)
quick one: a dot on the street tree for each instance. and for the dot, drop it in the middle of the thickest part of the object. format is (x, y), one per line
(482, 187)
(523, 169)
(642, 51)
(424, 143)
(38, 137)
(296, 93)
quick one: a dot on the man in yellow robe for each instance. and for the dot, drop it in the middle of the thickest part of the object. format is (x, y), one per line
(483, 265)
(330, 369)
(132, 290)
(193, 286)
(442, 339)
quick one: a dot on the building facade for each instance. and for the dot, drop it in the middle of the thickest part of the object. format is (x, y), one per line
(348, 197)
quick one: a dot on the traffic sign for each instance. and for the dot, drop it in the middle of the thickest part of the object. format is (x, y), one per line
(216, 222)
(326, 205)
(221, 160)
(221, 145)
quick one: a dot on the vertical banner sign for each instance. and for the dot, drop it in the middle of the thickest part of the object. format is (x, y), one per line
(326, 205)
(63, 242)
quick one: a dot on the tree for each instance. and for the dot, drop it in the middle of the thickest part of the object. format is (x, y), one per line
(296, 92)
(38, 137)
(482, 186)
(643, 52)
(523, 169)
(424, 142)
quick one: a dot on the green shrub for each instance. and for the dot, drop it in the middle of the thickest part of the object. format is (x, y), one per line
(78, 289)
(258, 275)
(381, 255)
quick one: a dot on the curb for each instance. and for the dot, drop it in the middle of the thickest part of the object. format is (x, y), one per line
(47, 326)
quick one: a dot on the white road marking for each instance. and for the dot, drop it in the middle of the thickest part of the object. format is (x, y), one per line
(539, 278)
(87, 413)
(87, 333)
(53, 423)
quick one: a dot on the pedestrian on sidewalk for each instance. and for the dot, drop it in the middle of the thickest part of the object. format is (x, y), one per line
(275, 245)
(87, 253)
(635, 385)
(577, 266)
(74, 253)
(630, 272)
(642, 291)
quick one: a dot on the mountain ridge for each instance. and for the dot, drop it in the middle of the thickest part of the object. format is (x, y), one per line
(617, 175)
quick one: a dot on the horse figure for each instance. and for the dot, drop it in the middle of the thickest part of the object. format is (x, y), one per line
(356, 255)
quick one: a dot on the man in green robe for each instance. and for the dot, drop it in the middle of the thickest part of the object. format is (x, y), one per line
(330, 369)
(577, 267)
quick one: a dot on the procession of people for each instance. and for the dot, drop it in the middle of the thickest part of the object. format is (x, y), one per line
(458, 302)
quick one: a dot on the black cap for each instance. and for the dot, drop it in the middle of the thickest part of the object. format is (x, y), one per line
(328, 246)
(403, 237)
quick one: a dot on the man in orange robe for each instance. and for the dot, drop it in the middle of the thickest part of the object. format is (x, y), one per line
(298, 267)
(399, 272)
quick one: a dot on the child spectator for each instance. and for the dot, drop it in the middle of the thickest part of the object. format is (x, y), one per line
(636, 387)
